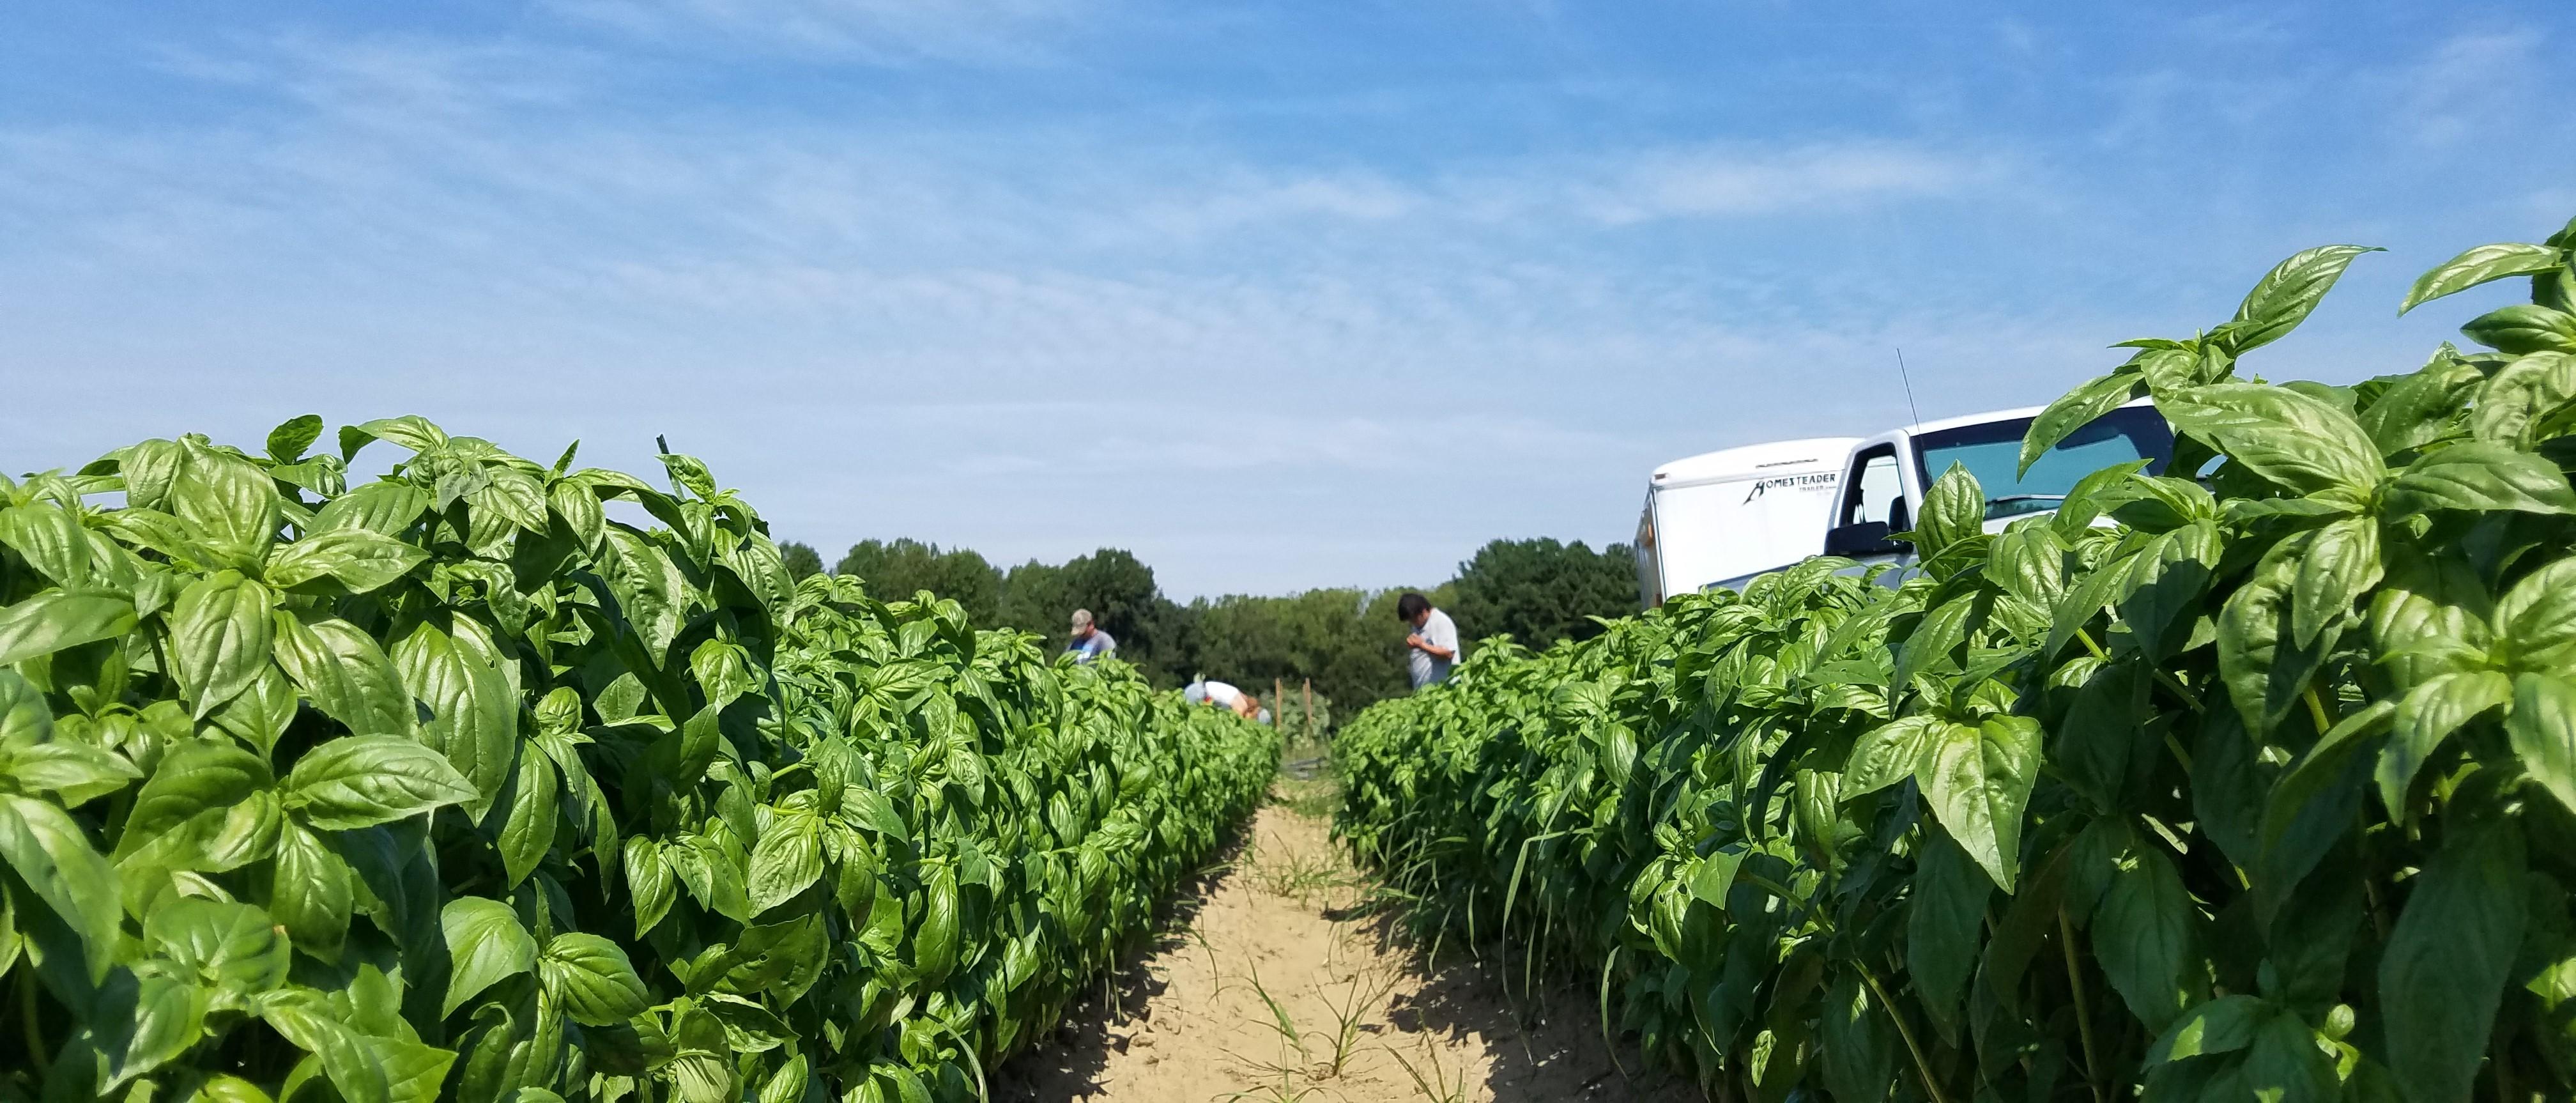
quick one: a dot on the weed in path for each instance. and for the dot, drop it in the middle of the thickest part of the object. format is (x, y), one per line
(1315, 800)
(1280, 1020)
(1297, 876)
(1437, 1087)
(1351, 1011)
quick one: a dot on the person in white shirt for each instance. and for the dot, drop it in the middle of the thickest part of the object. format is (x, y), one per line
(1222, 695)
(1433, 647)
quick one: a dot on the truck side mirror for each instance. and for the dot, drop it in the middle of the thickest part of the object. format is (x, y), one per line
(1866, 538)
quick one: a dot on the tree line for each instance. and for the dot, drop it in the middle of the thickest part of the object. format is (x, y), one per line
(1346, 639)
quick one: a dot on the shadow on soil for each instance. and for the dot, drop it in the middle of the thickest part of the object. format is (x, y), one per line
(1546, 1045)
(1065, 1064)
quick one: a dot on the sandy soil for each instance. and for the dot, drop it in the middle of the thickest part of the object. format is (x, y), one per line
(1273, 984)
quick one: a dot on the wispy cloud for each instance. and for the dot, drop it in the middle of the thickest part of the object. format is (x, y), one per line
(890, 32)
(903, 274)
(2466, 84)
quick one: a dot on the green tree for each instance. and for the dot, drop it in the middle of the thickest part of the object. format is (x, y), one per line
(1540, 591)
(802, 560)
(895, 570)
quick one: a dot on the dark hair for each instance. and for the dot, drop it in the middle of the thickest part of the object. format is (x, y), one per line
(1411, 605)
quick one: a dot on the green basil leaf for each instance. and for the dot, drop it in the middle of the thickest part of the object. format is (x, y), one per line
(166, 1017)
(56, 619)
(934, 945)
(2287, 438)
(1946, 918)
(649, 881)
(193, 779)
(2143, 934)
(234, 950)
(1892, 752)
(2427, 716)
(2447, 961)
(2259, 656)
(75, 773)
(2521, 394)
(2524, 328)
(2477, 266)
(1978, 783)
(1954, 509)
(2478, 475)
(303, 1018)
(365, 780)
(48, 851)
(2074, 410)
(359, 560)
(787, 861)
(345, 674)
(309, 892)
(2537, 618)
(2542, 729)
(593, 978)
(486, 944)
(228, 504)
(473, 716)
(220, 636)
(527, 808)
(408, 431)
(2341, 564)
(50, 539)
(2222, 1025)
(287, 442)
(384, 508)
(2286, 294)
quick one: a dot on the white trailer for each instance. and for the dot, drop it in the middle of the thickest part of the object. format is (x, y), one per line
(1719, 518)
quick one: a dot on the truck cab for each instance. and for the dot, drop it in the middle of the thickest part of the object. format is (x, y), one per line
(1720, 518)
(1885, 476)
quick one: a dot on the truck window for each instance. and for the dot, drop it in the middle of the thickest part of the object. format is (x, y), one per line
(1992, 450)
(1874, 488)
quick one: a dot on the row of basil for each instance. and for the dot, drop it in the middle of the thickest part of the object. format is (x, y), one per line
(2252, 785)
(452, 784)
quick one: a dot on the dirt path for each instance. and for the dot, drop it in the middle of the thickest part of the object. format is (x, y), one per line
(1272, 987)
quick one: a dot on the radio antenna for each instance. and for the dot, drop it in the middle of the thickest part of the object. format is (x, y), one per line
(1908, 379)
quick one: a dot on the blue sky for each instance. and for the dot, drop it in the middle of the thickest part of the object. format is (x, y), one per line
(1277, 295)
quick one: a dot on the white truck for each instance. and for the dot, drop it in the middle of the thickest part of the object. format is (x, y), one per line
(1720, 519)
(1885, 476)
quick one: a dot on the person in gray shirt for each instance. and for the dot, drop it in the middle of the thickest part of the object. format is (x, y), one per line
(1433, 647)
(1089, 642)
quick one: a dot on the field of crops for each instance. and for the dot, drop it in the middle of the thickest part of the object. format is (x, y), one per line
(454, 784)
(2257, 786)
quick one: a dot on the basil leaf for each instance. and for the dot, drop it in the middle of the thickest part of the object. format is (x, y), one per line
(54, 620)
(47, 851)
(2478, 475)
(486, 944)
(2444, 970)
(358, 559)
(2476, 266)
(2288, 438)
(345, 674)
(2524, 329)
(593, 978)
(1978, 783)
(220, 637)
(362, 781)
(472, 719)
